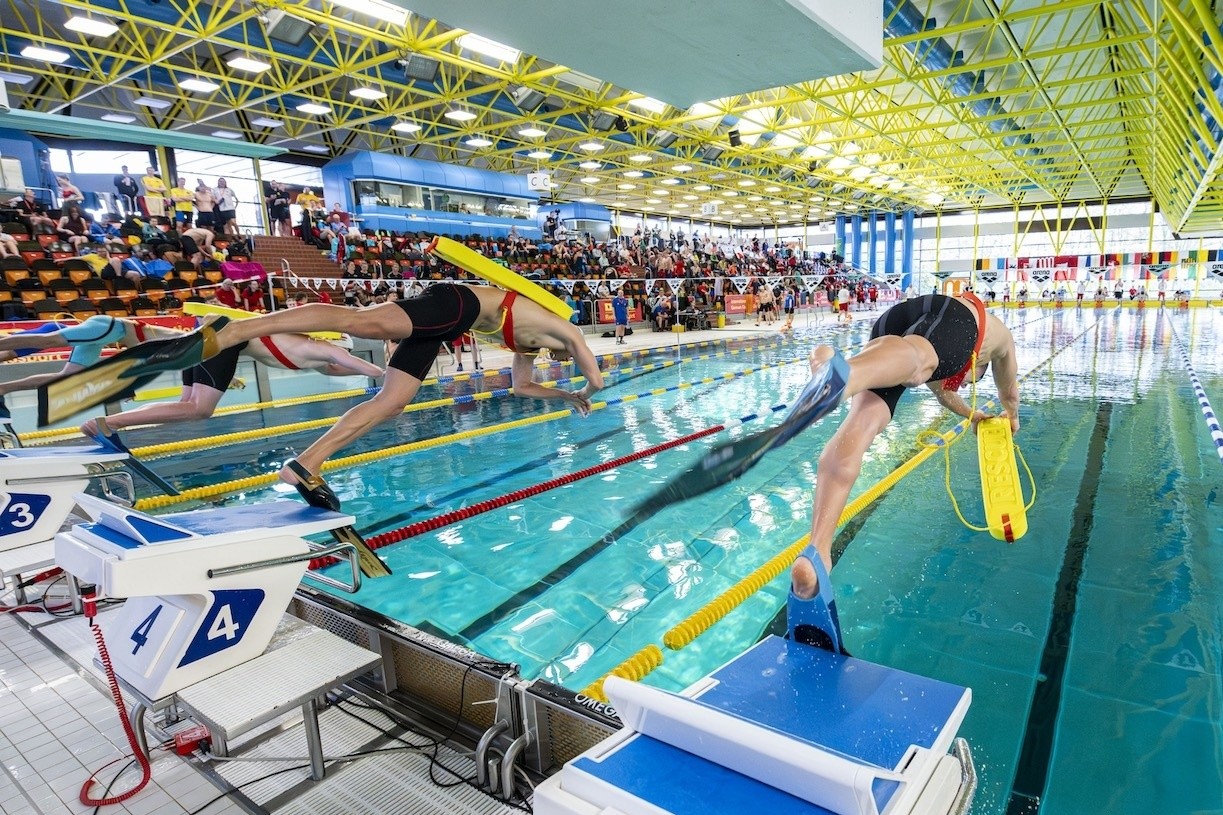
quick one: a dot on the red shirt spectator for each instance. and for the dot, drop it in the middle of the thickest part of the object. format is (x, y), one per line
(226, 295)
(252, 297)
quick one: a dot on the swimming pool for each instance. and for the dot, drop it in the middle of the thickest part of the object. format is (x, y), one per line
(1092, 645)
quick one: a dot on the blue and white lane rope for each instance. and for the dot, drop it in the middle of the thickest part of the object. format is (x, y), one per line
(1212, 420)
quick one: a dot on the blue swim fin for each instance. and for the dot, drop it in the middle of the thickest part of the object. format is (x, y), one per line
(815, 621)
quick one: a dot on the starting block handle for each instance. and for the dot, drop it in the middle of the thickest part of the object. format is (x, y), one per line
(343, 551)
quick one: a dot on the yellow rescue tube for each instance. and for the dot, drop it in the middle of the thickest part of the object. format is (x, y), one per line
(203, 309)
(1000, 488)
(454, 252)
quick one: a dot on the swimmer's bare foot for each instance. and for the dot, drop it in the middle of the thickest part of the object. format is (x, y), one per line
(820, 356)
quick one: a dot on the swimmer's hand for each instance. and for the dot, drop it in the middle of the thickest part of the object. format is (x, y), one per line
(580, 401)
(979, 415)
(90, 428)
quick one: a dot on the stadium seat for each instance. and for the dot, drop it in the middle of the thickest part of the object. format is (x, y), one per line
(63, 291)
(81, 308)
(113, 307)
(144, 307)
(124, 289)
(153, 288)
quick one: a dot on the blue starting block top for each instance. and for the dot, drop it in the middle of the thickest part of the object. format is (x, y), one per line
(102, 453)
(292, 517)
(866, 712)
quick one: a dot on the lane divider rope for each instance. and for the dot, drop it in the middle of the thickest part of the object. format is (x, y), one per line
(1208, 412)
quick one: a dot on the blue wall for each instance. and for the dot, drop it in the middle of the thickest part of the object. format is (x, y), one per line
(337, 186)
(25, 148)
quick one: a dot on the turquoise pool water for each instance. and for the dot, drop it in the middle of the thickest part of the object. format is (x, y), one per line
(1092, 645)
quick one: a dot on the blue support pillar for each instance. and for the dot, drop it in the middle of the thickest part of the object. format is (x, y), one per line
(889, 244)
(872, 231)
(855, 240)
(838, 245)
(906, 250)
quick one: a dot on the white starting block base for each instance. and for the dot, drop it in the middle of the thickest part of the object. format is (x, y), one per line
(786, 729)
(207, 587)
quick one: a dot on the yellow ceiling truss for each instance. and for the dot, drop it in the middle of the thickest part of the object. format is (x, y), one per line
(979, 103)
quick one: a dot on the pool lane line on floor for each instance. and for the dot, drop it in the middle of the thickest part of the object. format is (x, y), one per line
(60, 433)
(1208, 413)
(240, 436)
(1036, 752)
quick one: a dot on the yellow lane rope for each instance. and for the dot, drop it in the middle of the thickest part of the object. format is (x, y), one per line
(633, 669)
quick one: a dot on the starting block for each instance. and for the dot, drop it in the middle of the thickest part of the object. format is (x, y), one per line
(784, 728)
(1001, 491)
(207, 588)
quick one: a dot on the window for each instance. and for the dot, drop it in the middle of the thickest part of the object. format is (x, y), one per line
(370, 193)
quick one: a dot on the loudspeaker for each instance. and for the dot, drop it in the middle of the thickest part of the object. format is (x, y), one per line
(527, 98)
(417, 67)
(285, 27)
(603, 120)
(735, 140)
(620, 124)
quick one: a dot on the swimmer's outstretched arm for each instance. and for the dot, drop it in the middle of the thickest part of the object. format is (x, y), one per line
(522, 373)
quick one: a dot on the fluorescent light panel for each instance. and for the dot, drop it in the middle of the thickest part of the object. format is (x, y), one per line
(151, 102)
(378, 9)
(316, 109)
(227, 134)
(591, 146)
(88, 25)
(640, 158)
(634, 174)
(459, 115)
(489, 48)
(405, 127)
(648, 104)
(590, 179)
(122, 118)
(532, 132)
(478, 141)
(264, 121)
(367, 93)
(248, 64)
(15, 79)
(198, 85)
(591, 165)
(315, 148)
(669, 181)
(45, 54)
(539, 154)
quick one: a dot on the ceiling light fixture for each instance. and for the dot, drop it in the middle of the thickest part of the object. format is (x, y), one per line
(121, 118)
(88, 25)
(591, 146)
(45, 54)
(640, 158)
(405, 127)
(586, 200)
(314, 108)
(149, 102)
(649, 104)
(264, 121)
(539, 154)
(478, 141)
(489, 48)
(682, 168)
(459, 115)
(626, 186)
(669, 181)
(633, 174)
(378, 9)
(590, 179)
(200, 86)
(591, 165)
(315, 148)
(532, 132)
(248, 64)
(226, 134)
(367, 93)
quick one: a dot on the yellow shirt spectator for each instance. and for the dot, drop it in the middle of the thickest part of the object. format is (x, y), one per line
(154, 194)
(97, 262)
(182, 198)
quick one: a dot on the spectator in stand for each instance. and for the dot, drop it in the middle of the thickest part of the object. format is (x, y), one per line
(69, 192)
(226, 294)
(205, 201)
(138, 265)
(154, 194)
(252, 296)
(310, 204)
(127, 189)
(182, 200)
(226, 218)
(33, 212)
(73, 227)
(277, 201)
(8, 246)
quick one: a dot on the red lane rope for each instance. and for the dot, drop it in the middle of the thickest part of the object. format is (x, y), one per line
(420, 527)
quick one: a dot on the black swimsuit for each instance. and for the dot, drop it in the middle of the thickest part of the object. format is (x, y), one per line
(949, 325)
(441, 313)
